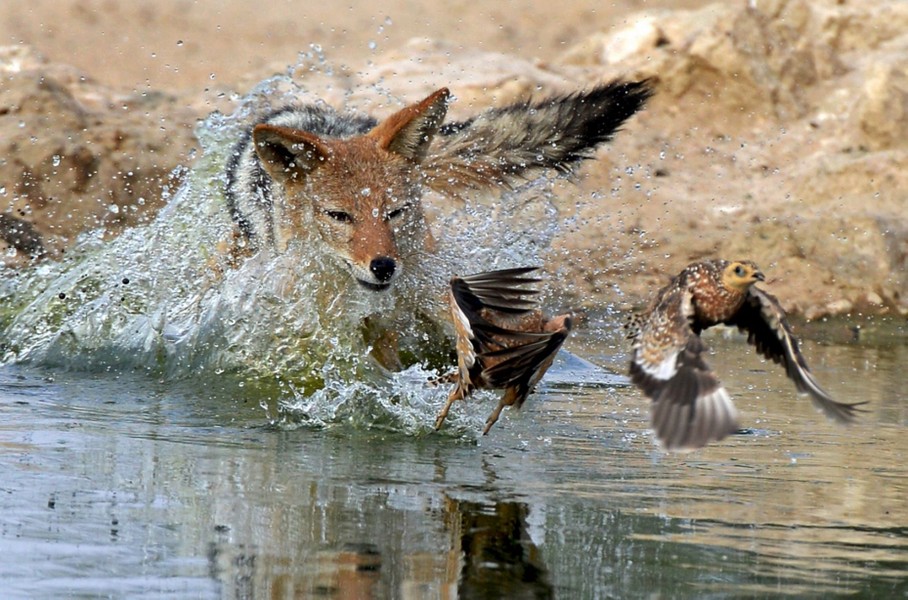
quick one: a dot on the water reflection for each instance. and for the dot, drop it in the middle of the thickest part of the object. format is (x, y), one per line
(488, 553)
(350, 572)
(495, 552)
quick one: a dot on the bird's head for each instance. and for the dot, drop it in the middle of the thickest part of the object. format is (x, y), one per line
(739, 275)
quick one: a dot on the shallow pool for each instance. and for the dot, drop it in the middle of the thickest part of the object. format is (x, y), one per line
(122, 486)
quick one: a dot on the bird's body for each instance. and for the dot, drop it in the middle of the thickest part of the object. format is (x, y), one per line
(503, 339)
(690, 406)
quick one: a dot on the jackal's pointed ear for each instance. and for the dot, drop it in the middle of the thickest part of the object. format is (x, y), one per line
(288, 153)
(409, 131)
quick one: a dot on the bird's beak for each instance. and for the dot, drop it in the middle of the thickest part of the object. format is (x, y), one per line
(759, 276)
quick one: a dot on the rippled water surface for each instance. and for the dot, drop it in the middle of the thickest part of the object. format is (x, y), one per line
(122, 486)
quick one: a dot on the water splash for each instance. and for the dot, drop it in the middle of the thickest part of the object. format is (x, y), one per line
(160, 299)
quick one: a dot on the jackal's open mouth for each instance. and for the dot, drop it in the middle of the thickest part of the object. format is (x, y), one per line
(375, 287)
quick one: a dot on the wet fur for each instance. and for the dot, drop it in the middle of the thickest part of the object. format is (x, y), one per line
(353, 185)
(495, 149)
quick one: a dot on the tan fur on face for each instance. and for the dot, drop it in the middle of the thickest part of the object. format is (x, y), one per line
(360, 194)
(378, 191)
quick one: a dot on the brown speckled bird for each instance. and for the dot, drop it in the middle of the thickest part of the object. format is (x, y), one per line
(690, 406)
(503, 339)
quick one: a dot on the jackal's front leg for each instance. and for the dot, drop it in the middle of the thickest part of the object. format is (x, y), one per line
(384, 343)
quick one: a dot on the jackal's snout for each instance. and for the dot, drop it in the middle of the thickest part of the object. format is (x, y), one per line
(378, 274)
(383, 268)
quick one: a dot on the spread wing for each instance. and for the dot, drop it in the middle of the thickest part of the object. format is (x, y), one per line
(690, 407)
(503, 341)
(523, 363)
(502, 291)
(763, 318)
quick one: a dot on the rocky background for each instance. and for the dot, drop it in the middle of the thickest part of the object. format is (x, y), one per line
(779, 131)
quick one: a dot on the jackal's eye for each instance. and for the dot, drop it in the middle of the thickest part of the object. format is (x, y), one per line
(340, 216)
(397, 212)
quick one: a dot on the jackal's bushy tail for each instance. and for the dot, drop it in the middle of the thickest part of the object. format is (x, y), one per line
(501, 146)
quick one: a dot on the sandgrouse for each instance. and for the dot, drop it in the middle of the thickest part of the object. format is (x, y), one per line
(503, 339)
(690, 407)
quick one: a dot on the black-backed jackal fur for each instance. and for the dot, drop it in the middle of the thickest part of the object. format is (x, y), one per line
(354, 184)
(360, 181)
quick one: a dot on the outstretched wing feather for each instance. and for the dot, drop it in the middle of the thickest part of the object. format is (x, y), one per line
(502, 290)
(521, 362)
(763, 319)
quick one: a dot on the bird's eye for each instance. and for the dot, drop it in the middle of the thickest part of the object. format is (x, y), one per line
(740, 271)
(340, 216)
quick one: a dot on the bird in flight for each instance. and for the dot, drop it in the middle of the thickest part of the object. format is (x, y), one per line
(503, 339)
(690, 406)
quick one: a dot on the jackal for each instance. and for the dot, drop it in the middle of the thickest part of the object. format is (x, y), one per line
(355, 184)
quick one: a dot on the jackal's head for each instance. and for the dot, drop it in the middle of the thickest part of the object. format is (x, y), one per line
(361, 196)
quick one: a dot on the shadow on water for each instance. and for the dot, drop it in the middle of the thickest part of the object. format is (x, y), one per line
(119, 485)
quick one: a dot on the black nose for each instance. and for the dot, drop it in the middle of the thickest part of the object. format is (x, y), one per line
(383, 268)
